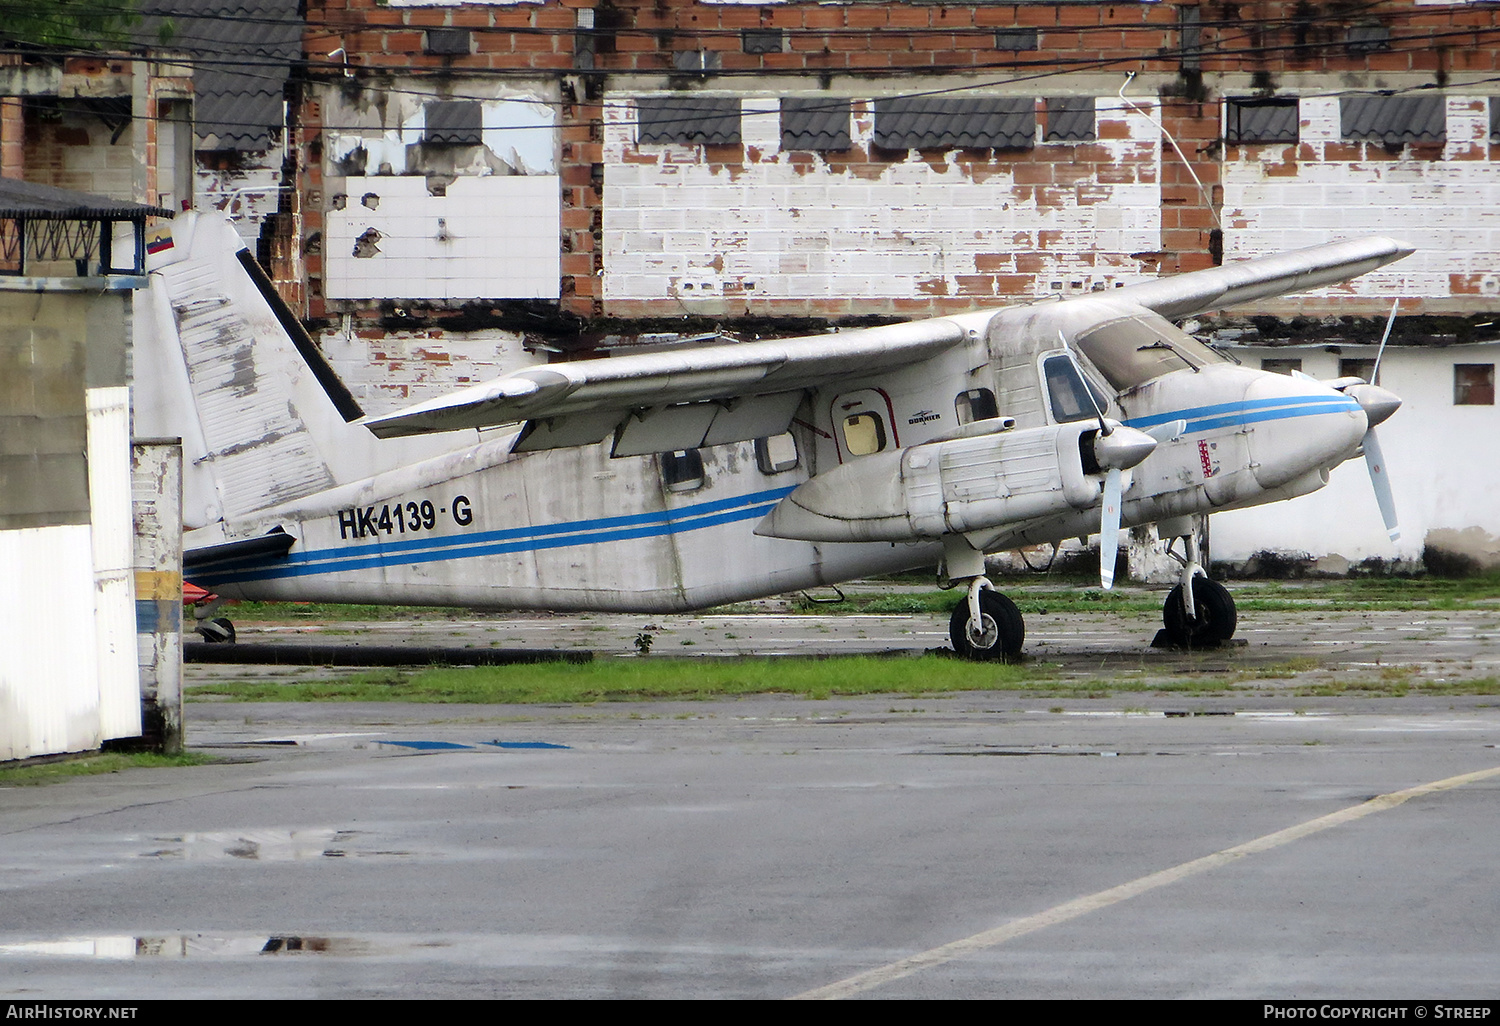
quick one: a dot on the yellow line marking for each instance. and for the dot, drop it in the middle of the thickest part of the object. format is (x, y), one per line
(1093, 902)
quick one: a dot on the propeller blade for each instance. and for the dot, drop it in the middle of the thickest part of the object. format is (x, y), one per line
(1375, 462)
(1109, 528)
(1390, 323)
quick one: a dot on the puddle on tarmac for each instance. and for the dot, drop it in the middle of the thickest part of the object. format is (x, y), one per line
(263, 845)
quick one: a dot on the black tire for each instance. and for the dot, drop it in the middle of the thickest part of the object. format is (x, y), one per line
(219, 630)
(1002, 620)
(1214, 620)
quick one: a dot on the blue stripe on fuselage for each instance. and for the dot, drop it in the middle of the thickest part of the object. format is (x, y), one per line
(487, 543)
(1209, 418)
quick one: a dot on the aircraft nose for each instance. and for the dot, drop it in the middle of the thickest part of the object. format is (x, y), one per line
(1300, 425)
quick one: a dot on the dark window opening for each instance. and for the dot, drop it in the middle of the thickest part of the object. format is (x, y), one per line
(449, 42)
(705, 120)
(1357, 368)
(682, 471)
(1495, 119)
(1070, 119)
(1281, 365)
(1368, 37)
(976, 404)
(762, 40)
(1473, 384)
(982, 123)
(1017, 39)
(1394, 120)
(817, 124)
(1261, 120)
(454, 123)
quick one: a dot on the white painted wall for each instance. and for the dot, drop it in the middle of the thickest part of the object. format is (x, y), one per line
(1444, 474)
(488, 238)
(677, 226)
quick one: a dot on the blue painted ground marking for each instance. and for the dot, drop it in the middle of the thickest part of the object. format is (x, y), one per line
(426, 745)
(522, 744)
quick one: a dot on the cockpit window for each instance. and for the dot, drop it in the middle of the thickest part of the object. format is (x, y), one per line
(1134, 350)
(1067, 390)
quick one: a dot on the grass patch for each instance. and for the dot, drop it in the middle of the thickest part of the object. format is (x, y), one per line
(633, 680)
(91, 765)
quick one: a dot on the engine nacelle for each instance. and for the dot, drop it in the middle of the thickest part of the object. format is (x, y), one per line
(943, 487)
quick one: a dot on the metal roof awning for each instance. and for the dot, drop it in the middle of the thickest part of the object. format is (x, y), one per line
(47, 225)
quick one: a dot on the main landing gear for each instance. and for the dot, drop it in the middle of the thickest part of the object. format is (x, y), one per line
(1198, 613)
(986, 624)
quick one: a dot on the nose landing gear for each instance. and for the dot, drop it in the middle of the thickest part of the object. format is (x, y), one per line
(997, 633)
(1198, 613)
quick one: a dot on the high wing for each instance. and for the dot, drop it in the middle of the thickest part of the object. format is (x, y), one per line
(709, 395)
(1243, 281)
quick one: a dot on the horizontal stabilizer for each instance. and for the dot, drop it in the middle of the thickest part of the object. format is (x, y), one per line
(276, 543)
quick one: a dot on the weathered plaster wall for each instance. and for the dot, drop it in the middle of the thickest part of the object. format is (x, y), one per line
(756, 229)
(405, 218)
(1443, 198)
(1443, 474)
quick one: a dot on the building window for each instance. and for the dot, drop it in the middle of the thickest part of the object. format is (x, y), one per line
(682, 471)
(1070, 119)
(1249, 120)
(818, 124)
(449, 42)
(1016, 39)
(1357, 369)
(762, 40)
(980, 123)
(1473, 384)
(1367, 37)
(706, 120)
(1281, 365)
(1495, 119)
(453, 123)
(1394, 120)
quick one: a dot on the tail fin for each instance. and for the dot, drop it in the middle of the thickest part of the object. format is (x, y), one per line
(221, 362)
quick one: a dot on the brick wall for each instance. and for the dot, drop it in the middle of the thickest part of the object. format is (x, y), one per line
(1071, 219)
(754, 229)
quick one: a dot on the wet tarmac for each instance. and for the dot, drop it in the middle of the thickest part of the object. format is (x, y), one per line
(970, 845)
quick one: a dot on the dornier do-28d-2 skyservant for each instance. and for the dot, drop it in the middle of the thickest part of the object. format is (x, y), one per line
(716, 473)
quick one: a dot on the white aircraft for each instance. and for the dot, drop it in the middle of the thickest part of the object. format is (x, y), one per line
(710, 474)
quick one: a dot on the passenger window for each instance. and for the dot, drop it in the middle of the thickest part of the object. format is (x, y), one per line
(776, 454)
(1069, 393)
(864, 433)
(976, 404)
(682, 471)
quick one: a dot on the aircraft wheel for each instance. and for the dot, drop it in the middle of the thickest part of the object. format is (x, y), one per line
(219, 630)
(1003, 629)
(1214, 620)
